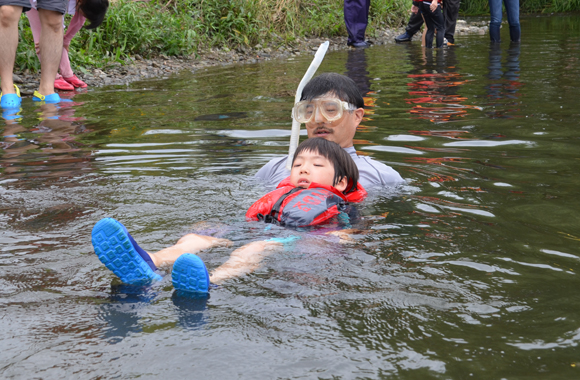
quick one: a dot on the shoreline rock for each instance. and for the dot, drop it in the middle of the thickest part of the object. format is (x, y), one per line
(139, 68)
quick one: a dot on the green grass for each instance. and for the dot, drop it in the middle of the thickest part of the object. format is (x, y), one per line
(184, 27)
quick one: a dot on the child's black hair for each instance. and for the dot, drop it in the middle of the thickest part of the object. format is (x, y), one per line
(343, 164)
(94, 11)
(333, 83)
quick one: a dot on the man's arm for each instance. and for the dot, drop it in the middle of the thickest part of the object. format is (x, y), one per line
(374, 173)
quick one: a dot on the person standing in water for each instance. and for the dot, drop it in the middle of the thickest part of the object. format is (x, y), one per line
(512, 9)
(50, 13)
(94, 11)
(356, 19)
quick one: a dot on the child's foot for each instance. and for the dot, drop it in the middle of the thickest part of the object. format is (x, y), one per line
(61, 84)
(75, 81)
(190, 274)
(117, 249)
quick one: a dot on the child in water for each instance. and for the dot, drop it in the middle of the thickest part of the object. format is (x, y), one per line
(433, 16)
(322, 180)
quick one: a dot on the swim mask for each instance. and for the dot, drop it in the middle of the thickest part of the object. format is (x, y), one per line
(330, 108)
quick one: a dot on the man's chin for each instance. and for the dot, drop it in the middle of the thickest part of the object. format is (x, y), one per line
(324, 135)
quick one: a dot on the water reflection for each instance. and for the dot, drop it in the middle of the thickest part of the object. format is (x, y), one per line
(504, 87)
(434, 89)
(467, 274)
(356, 69)
(46, 149)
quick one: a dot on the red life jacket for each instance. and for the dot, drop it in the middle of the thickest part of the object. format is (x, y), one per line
(299, 207)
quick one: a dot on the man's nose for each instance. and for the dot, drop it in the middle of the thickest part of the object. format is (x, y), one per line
(304, 168)
(318, 117)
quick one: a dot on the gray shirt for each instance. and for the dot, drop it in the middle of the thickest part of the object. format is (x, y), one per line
(371, 173)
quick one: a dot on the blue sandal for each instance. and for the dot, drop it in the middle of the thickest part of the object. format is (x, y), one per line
(117, 249)
(11, 100)
(190, 274)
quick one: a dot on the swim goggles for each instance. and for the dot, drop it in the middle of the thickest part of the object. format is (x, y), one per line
(331, 109)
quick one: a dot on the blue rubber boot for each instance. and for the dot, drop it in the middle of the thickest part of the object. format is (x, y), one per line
(117, 249)
(11, 101)
(190, 274)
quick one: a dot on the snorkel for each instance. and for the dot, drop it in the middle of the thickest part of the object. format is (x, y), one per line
(295, 135)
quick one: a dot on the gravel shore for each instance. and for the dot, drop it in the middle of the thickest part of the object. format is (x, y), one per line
(139, 68)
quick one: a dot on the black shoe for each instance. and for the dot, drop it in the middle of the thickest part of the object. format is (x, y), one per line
(360, 45)
(405, 37)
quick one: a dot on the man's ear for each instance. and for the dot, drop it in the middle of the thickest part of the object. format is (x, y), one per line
(359, 113)
(341, 185)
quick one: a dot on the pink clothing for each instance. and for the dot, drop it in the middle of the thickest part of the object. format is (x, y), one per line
(75, 25)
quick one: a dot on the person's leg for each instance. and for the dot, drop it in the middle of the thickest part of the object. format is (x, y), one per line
(190, 273)
(512, 8)
(413, 26)
(65, 69)
(121, 254)
(451, 12)
(439, 24)
(9, 16)
(244, 260)
(190, 243)
(356, 20)
(35, 27)
(430, 26)
(495, 13)
(51, 47)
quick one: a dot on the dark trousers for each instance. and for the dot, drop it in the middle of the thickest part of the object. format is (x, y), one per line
(450, 12)
(434, 20)
(356, 18)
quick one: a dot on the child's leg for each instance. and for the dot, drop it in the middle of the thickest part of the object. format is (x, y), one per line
(424, 31)
(439, 23)
(190, 243)
(64, 67)
(190, 273)
(117, 249)
(35, 27)
(430, 32)
(244, 260)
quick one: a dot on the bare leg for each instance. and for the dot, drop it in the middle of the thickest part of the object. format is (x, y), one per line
(244, 260)
(9, 16)
(51, 40)
(190, 243)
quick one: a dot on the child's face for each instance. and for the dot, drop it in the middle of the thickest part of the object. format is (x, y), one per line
(311, 167)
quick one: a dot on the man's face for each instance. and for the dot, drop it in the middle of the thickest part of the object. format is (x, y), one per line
(340, 131)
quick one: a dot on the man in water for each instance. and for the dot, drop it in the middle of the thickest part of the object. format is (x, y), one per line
(332, 107)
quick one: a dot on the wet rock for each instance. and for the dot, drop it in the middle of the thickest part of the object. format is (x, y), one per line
(17, 79)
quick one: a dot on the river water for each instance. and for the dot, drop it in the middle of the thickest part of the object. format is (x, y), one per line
(468, 271)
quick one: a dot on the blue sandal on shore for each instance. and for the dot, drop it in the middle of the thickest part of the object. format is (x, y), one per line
(117, 249)
(190, 274)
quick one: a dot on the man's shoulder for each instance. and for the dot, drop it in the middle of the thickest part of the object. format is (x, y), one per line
(274, 171)
(376, 173)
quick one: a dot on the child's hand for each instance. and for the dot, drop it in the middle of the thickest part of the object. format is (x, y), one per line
(433, 5)
(414, 9)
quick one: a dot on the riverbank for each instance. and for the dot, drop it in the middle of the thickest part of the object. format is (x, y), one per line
(137, 68)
